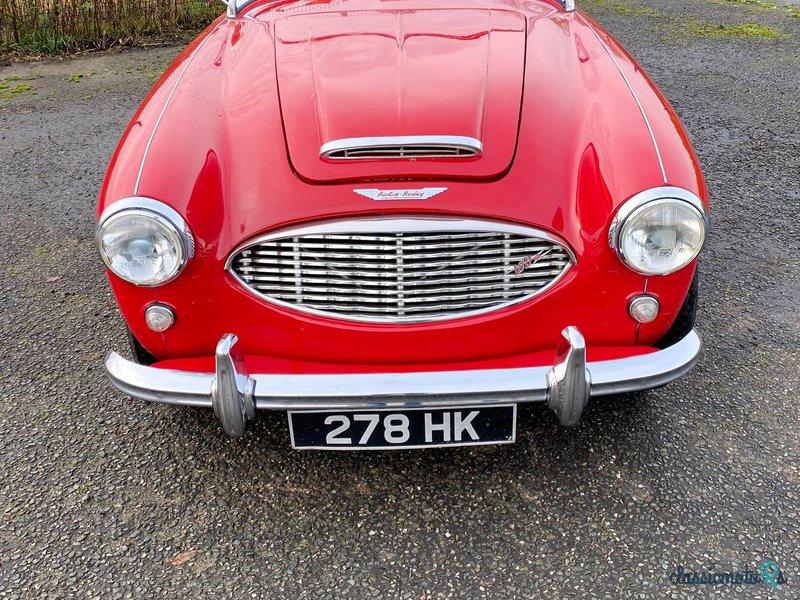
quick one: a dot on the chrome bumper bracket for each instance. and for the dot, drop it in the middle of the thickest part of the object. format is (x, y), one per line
(233, 390)
(569, 383)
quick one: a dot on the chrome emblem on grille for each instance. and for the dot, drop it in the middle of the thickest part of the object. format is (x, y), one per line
(527, 262)
(418, 194)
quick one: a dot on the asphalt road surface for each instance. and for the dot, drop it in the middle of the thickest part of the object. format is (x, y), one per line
(105, 497)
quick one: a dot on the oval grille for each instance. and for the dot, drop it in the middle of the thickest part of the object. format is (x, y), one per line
(401, 270)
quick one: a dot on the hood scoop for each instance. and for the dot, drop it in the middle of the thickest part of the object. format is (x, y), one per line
(407, 148)
(401, 94)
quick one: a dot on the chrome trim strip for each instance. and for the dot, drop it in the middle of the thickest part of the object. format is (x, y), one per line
(404, 390)
(164, 109)
(182, 388)
(445, 141)
(638, 102)
(231, 8)
(236, 6)
(646, 371)
(396, 225)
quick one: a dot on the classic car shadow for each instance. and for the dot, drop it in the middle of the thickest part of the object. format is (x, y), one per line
(417, 497)
(608, 424)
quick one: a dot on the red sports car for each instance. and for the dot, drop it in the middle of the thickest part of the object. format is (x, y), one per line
(398, 220)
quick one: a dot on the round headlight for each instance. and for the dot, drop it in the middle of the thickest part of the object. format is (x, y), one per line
(658, 235)
(143, 241)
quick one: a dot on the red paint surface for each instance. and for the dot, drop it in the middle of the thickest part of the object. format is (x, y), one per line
(280, 366)
(220, 157)
(437, 72)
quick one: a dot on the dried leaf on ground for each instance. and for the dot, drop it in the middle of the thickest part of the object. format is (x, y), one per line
(183, 558)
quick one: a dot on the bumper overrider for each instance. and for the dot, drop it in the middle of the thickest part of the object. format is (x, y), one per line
(566, 387)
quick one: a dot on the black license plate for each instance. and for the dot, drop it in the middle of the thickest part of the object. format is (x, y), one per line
(386, 429)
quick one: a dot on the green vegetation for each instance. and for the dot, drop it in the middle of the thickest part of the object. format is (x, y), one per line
(742, 30)
(677, 28)
(758, 3)
(7, 91)
(76, 78)
(620, 8)
(790, 9)
(57, 26)
(154, 71)
(60, 26)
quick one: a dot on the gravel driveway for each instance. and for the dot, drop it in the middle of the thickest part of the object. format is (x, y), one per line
(104, 497)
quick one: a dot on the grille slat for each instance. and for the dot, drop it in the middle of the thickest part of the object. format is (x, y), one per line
(341, 244)
(411, 287)
(384, 254)
(418, 293)
(419, 273)
(433, 238)
(431, 277)
(402, 152)
(359, 262)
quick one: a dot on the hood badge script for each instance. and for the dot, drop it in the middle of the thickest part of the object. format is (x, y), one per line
(418, 194)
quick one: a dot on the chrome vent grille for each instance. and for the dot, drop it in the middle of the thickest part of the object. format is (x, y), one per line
(401, 270)
(410, 147)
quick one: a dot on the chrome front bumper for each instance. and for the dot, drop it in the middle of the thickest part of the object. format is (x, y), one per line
(566, 386)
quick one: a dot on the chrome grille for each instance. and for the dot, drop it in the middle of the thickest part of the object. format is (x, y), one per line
(418, 151)
(401, 270)
(409, 147)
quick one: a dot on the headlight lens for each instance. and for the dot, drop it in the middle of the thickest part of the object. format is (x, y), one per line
(660, 236)
(142, 246)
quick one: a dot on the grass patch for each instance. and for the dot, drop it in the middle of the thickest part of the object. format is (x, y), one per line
(678, 28)
(620, 8)
(758, 3)
(753, 30)
(153, 71)
(7, 91)
(791, 9)
(76, 78)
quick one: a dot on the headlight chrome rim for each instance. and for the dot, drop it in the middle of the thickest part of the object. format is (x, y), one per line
(157, 211)
(637, 204)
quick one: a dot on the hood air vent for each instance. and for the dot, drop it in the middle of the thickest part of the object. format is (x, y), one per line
(404, 147)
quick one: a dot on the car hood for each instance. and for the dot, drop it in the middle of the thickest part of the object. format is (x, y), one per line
(210, 142)
(363, 75)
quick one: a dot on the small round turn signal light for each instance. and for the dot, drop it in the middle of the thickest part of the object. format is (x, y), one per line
(159, 317)
(644, 309)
